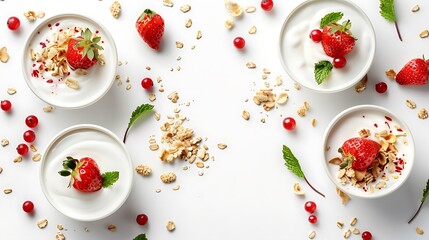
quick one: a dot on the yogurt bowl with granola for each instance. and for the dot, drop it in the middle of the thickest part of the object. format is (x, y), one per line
(69, 61)
(368, 151)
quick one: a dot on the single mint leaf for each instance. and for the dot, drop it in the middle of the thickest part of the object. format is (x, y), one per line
(140, 110)
(329, 18)
(387, 10)
(426, 191)
(291, 162)
(141, 237)
(109, 178)
(322, 70)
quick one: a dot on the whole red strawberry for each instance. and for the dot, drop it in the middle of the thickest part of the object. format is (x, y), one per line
(362, 150)
(82, 52)
(150, 26)
(415, 72)
(86, 176)
(337, 40)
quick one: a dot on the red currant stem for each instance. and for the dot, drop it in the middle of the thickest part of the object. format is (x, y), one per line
(323, 195)
(125, 135)
(417, 212)
(397, 31)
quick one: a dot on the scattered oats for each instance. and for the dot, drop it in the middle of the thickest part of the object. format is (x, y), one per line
(178, 68)
(380, 184)
(11, 91)
(158, 190)
(72, 83)
(143, 170)
(178, 58)
(60, 227)
(7, 191)
(250, 65)
(4, 142)
(246, 115)
(152, 97)
(188, 23)
(173, 96)
(200, 173)
(297, 86)
(175, 188)
(297, 189)
(411, 104)
(344, 197)
(266, 71)
(48, 108)
(158, 79)
(229, 24)
(312, 235)
(199, 164)
(222, 146)
(171, 69)
(185, 168)
(423, 113)
(153, 147)
(33, 148)
(86, 229)
(40, 14)
(415, 8)
(170, 226)
(279, 80)
(115, 9)
(391, 74)
(4, 56)
(148, 68)
(168, 177)
(168, 3)
(111, 228)
(361, 85)
(347, 233)
(233, 8)
(353, 221)
(127, 79)
(192, 47)
(42, 223)
(1, 169)
(185, 8)
(355, 231)
(263, 120)
(157, 116)
(264, 76)
(250, 9)
(419, 231)
(252, 30)
(60, 236)
(30, 15)
(36, 157)
(128, 87)
(340, 225)
(282, 98)
(313, 122)
(424, 33)
(17, 159)
(303, 109)
(161, 88)
(265, 97)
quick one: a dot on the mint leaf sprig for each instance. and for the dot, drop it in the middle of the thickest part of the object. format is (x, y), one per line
(109, 178)
(140, 111)
(387, 10)
(140, 237)
(329, 18)
(425, 195)
(293, 165)
(322, 70)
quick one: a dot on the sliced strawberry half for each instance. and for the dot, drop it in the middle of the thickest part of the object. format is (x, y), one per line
(362, 150)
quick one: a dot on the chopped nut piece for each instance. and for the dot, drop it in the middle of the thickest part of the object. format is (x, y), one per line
(48, 108)
(419, 231)
(168, 3)
(4, 142)
(424, 33)
(297, 189)
(158, 190)
(175, 188)
(40, 14)
(7, 191)
(199, 164)
(4, 56)
(173, 96)
(157, 116)
(188, 23)
(250, 9)
(17, 159)
(340, 225)
(199, 35)
(168, 177)
(380, 184)
(282, 98)
(185, 8)
(72, 83)
(415, 8)
(303, 109)
(364, 133)
(33, 148)
(411, 104)
(30, 15)
(355, 231)
(60, 236)
(297, 86)
(250, 65)
(233, 8)
(313, 122)
(312, 235)
(170, 226)
(344, 197)
(115, 9)
(36, 157)
(143, 170)
(423, 113)
(252, 30)
(391, 74)
(353, 221)
(229, 24)
(111, 228)
(60, 227)
(42, 223)
(128, 87)
(11, 91)
(222, 146)
(152, 97)
(347, 233)
(336, 161)
(361, 86)
(246, 115)
(179, 44)
(153, 147)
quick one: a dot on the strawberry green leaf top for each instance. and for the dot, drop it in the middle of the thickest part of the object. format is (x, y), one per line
(322, 70)
(141, 237)
(329, 18)
(387, 10)
(89, 44)
(140, 111)
(109, 178)
(425, 196)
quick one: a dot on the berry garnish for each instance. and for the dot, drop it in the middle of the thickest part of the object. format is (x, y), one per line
(6, 105)
(366, 235)
(13, 23)
(150, 27)
(339, 62)
(239, 42)
(415, 72)
(360, 152)
(22, 149)
(316, 35)
(28, 206)
(31, 121)
(381, 87)
(267, 5)
(82, 52)
(29, 136)
(312, 219)
(337, 39)
(310, 206)
(147, 83)
(289, 123)
(142, 219)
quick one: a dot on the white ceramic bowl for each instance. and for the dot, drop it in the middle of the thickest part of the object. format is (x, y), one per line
(298, 53)
(92, 86)
(110, 154)
(347, 125)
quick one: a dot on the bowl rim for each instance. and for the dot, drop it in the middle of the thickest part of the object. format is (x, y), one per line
(357, 78)
(24, 56)
(92, 127)
(410, 161)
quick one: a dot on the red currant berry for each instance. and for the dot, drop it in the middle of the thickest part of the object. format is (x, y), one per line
(312, 219)
(366, 235)
(381, 87)
(6, 105)
(22, 149)
(31, 121)
(310, 206)
(28, 206)
(29, 136)
(147, 83)
(267, 5)
(239, 42)
(339, 62)
(316, 35)
(13, 23)
(142, 219)
(289, 123)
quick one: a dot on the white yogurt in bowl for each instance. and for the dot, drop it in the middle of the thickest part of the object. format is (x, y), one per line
(376, 119)
(298, 53)
(110, 154)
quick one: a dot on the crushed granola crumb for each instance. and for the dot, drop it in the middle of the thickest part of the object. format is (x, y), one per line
(419, 231)
(170, 226)
(312, 234)
(42, 223)
(188, 23)
(250, 65)
(4, 56)
(411, 104)
(4, 142)
(229, 24)
(173, 96)
(115, 9)
(361, 85)
(343, 196)
(7, 190)
(168, 3)
(252, 30)
(246, 115)
(168, 177)
(415, 8)
(111, 228)
(185, 8)
(60, 236)
(424, 33)
(297, 189)
(303, 109)
(179, 44)
(30, 15)
(233, 8)
(143, 170)
(297, 86)
(391, 74)
(423, 113)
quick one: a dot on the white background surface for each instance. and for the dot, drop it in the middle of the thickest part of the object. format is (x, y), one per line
(247, 192)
